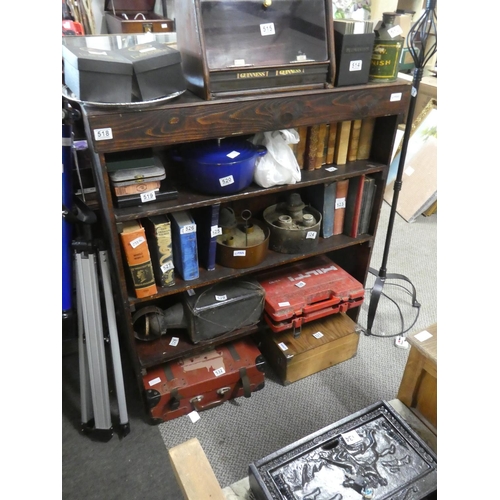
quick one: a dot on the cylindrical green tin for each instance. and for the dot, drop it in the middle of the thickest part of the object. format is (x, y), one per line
(386, 49)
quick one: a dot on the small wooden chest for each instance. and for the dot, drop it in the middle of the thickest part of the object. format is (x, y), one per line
(322, 343)
(135, 16)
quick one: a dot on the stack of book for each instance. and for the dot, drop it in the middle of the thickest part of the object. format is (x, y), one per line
(139, 180)
(159, 247)
(334, 143)
(345, 205)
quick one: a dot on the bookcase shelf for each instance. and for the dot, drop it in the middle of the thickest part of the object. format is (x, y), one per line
(189, 118)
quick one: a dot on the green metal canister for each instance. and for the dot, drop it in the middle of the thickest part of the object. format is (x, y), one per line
(386, 49)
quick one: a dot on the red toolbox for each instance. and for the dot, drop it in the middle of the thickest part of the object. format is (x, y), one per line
(204, 381)
(308, 290)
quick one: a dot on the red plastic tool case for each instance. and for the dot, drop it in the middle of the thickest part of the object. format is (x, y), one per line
(308, 290)
(201, 382)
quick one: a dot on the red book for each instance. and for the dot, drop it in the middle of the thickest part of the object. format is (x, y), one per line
(353, 206)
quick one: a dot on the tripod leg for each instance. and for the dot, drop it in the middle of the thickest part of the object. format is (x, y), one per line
(115, 347)
(92, 322)
(85, 392)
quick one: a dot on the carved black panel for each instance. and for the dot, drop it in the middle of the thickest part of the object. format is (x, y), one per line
(371, 454)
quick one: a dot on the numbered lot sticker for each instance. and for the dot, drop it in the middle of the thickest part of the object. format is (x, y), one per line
(221, 298)
(311, 235)
(148, 196)
(135, 243)
(215, 231)
(283, 304)
(167, 266)
(239, 253)
(220, 371)
(155, 381)
(300, 284)
(283, 346)
(189, 228)
(356, 65)
(226, 181)
(318, 335)
(103, 134)
(351, 437)
(174, 341)
(340, 203)
(267, 29)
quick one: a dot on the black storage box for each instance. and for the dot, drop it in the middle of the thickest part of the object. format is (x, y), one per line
(353, 54)
(97, 75)
(373, 453)
(157, 70)
(135, 16)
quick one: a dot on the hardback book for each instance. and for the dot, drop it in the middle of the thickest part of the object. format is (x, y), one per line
(136, 250)
(352, 151)
(353, 205)
(301, 145)
(184, 245)
(366, 204)
(320, 153)
(159, 236)
(322, 198)
(365, 138)
(312, 147)
(340, 204)
(342, 143)
(330, 148)
(207, 228)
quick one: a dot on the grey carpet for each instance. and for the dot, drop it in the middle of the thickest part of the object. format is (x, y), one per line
(244, 430)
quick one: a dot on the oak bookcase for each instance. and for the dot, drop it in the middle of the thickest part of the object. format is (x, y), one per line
(187, 119)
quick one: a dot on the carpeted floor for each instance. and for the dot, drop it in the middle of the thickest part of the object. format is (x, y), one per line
(244, 430)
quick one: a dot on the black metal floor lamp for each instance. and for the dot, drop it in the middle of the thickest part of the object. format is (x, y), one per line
(422, 45)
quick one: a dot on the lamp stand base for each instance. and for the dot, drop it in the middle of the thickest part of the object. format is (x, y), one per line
(377, 292)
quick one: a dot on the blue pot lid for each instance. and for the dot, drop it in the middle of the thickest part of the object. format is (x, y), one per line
(227, 151)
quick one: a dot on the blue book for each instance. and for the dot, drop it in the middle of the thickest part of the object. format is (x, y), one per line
(184, 245)
(207, 229)
(322, 198)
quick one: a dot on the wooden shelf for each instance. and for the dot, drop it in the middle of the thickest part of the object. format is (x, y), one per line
(188, 119)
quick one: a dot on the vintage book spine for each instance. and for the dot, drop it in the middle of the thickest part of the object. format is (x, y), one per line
(301, 146)
(365, 138)
(322, 198)
(207, 228)
(342, 143)
(140, 187)
(159, 235)
(340, 204)
(352, 151)
(366, 204)
(353, 206)
(184, 245)
(135, 247)
(320, 153)
(330, 148)
(311, 148)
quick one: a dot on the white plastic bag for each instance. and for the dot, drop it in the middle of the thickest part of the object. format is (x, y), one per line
(279, 165)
